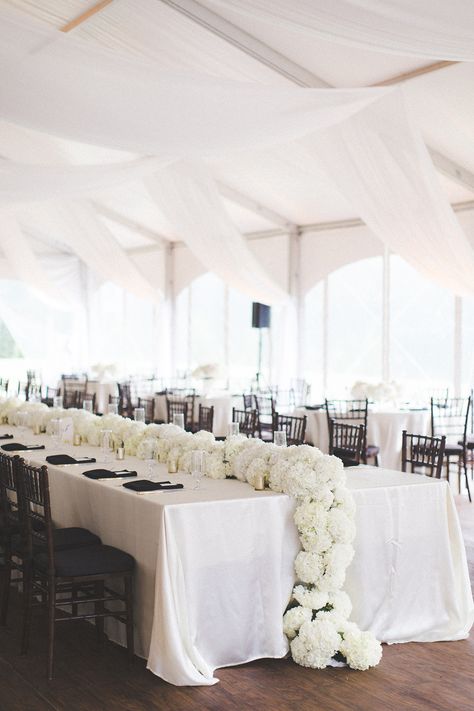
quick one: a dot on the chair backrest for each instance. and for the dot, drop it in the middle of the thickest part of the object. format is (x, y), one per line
(35, 508)
(346, 441)
(265, 405)
(247, 420)
(81, 396)
(450, 416)
(206, 418)
(71, 387)
(249, 401)
(347, 410)
(295, 427)
(425, 452)
(9, 503)
(180, 406)
(148, 404)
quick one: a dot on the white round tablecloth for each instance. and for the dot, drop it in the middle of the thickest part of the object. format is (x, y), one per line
(384, 429)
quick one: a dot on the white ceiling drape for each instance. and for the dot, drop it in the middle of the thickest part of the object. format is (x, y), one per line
(419, 28)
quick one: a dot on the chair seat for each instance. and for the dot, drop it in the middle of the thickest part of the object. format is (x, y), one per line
(63, 539)
(88, 560)
(453, 449)
(372, 450)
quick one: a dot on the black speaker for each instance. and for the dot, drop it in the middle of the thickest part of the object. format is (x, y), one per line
(260, 315)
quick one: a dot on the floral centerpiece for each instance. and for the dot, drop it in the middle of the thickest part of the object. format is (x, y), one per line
(317, 619)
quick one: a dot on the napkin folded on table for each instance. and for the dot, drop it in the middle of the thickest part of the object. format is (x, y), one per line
(108, 474)
(66, 459)
(147, 485)
(16, 447)
(6, 436)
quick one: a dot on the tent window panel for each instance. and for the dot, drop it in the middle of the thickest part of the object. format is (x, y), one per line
(467, 371)
(354, 325)
(421, 330)
(243, 341)
(181, 333)
(313, 335)
(207, 321)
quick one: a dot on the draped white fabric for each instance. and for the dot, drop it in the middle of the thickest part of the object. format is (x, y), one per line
(189, 198)
(90, 239)
(380, 163)
(22, 261)
(424, 28)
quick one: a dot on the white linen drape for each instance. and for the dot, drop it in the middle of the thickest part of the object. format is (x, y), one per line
(418, 28)
(188, 196)
(87, 235)
(380, 163)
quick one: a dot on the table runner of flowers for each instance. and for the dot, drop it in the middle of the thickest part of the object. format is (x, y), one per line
(317, 619)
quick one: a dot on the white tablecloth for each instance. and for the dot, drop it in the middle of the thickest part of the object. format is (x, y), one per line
(222, 410)
(215, 567)
(384, 429)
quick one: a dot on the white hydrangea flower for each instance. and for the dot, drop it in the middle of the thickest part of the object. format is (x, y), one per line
(310, 597)
(309, 567)
(293, 619)
(340, 526)
(361, 649)
(317, 642)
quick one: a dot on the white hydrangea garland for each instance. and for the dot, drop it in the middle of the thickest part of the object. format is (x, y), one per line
(316, 622)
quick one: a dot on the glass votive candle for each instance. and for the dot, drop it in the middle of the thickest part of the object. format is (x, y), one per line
(232, 429)
(139, 414)
(279, 438)
(178, 420)
(77, 439)
(259, 482)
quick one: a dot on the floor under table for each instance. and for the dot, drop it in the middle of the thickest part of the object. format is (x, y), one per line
(437, 676)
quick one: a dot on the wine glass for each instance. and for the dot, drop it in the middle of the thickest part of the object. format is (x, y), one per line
(58, 402)
(139, 414)
(87, 406)
(279, 438)
(178, 420)
(232, 429)
(197, 467)
(105, 445)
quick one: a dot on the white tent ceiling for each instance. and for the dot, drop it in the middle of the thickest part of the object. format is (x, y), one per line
(294, 189)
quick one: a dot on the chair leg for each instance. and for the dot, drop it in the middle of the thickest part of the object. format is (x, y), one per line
(51, 620)
(99, 608)
(5, 587)
(74, 593)
(128, 582)
(466, 478)
(376, 460)
(27, 605)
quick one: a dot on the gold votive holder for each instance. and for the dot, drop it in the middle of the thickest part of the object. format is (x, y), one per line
(259, 483)
(120, 453)
(172, 468)
(76, 440)
(36, 429)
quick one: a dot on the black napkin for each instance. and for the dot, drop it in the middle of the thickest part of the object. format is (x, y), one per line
(6, 436)
(66, 459)
(108, 474)
(16, 447)
(147, 485)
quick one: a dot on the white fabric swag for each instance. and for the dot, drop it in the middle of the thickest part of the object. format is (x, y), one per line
(419, 28)
(189, 198)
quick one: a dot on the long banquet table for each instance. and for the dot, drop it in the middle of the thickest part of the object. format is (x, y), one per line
(384, 429)
(215, 566)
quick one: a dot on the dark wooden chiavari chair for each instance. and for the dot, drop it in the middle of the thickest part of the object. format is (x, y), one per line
(48, 397)
(247, 420)
(450, 416)
(205, 418)
(352, 412)
(127, 403)
(71, 388)
(249, 401)
(295, 427)
(347, 442)
(148, 404)
(10, 528)
(83, 396)
(68, 577)
(265, 406)
(423, 452)
(181, 406)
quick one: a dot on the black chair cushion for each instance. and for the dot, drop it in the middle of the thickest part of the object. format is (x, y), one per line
(372, 450)
(89, 560)
(453, 449)
(63, 538)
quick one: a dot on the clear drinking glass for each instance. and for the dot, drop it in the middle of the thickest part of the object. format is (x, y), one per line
(55, 430)
(112, 408)
(197, 467)
(105, 445)
(149, 457)
(87, 405)
(178, 420)
(22, 421)
(139, 414)
(58, 402)
(279, 438)
(232, 429)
